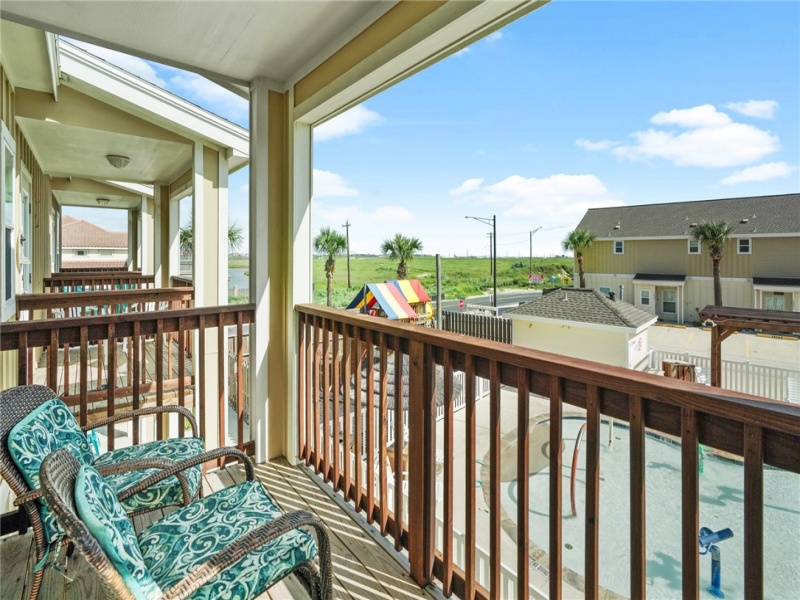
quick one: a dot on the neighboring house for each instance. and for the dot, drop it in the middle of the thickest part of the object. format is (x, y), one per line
(88, 246)
(648, 256)
(583, 323)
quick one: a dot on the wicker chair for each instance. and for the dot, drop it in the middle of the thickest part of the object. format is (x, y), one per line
(20, 406)
(235, 541)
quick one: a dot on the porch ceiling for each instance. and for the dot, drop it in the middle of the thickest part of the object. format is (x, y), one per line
(87, 199)
(26, 56)
(69, 150)
(230, 41)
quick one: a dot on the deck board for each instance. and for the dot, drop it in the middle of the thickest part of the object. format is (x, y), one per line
(361, 567)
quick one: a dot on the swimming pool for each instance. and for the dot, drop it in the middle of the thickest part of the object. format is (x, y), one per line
(721, 506)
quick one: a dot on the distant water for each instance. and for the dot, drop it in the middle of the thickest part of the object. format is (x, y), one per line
(237, 277)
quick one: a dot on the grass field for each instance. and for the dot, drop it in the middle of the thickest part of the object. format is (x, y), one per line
(461, 277)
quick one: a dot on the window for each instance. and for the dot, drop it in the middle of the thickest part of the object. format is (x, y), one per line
(605, 290)
(25, 241)
(8, 224)
(744, 246)
(645, 297)
(106, 252)
(669, 302)
(694, 246)
(776, 301)
(619, 247)
(79, 252)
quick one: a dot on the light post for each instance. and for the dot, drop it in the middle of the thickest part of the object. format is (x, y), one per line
(530, 263)
(493, 223)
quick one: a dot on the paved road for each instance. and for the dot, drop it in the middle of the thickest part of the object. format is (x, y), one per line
(505, 299)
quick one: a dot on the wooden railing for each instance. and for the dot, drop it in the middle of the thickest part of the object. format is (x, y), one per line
(77, 304)
(133, 360)
(338, 349)
(92, 270)
(85, 281)
(177, 281)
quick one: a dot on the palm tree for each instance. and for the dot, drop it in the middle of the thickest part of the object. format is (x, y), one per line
(401, 249)
(714, 234)
(578, 241)
(332, 243)
(186, 237)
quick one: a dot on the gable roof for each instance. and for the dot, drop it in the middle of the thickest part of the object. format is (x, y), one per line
(76, 233)
(387, 297)
(763, 214)
(584, 306)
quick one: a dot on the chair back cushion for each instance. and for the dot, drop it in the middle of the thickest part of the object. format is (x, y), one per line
(104, 517)
(46, 429)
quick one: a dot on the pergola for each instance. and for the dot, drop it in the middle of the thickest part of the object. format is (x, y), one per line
(726, 321)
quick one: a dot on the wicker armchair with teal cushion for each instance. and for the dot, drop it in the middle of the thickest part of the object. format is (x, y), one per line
(234, 543)
(34, 423)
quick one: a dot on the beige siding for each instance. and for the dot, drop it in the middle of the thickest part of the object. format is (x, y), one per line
(607, 347)
(659, 256)
(600, 258)
(776, 257)
(699, 292)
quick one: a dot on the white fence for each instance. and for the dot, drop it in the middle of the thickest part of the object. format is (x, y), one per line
(759, 380)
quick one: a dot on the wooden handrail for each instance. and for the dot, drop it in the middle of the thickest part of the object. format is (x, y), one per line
(135, 297)
(762, 431)
(97, 280)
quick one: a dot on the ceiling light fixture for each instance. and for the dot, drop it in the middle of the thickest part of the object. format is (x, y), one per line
(103, 201)
(117, 161)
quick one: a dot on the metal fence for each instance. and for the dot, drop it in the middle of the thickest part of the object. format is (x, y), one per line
(496, 329)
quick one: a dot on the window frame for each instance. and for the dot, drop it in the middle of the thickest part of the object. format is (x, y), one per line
(8, 222)
(644, 297)
(621, 246)
(739, 245)
(689, 246)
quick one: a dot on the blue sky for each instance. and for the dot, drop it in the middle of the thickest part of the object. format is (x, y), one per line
(577, 105)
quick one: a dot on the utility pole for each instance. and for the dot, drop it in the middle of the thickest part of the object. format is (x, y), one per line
(530, 263)
(492, 249)
(347, 227)
(491, 263)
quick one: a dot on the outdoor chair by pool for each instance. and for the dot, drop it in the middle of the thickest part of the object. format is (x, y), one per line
(35, 423)
(234, 543)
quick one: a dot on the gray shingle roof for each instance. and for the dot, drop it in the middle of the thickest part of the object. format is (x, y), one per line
(764, 214)
(583, 306)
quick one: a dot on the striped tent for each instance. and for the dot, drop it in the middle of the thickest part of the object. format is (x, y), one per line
(384, 297)
(412, 290)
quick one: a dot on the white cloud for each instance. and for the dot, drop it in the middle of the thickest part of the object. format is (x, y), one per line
(132, 64)
(462, 52)
(594, 146)
(331, 185)
(353, 121)
(760, 109)
(494, 37)
(470, 185)
(209, 95)
(762, 172)
(692, 118)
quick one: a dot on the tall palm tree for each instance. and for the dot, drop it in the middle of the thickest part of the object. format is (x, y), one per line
(235, 237)
(714, 234)
(578, 241)
(332, 243)
(401, 249)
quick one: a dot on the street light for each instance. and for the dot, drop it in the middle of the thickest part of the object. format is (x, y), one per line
(493, 223)
(530, 263)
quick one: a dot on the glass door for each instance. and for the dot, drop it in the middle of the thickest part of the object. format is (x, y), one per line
(669, 304)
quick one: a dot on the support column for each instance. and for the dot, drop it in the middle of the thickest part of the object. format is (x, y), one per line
(133, 229)
(147, 239)
(174, 238)
(161, 234)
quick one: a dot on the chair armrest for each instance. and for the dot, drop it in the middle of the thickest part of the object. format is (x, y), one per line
(177, 467)
(28, 496)
(139, 464)
(253, 540)
(152, 410)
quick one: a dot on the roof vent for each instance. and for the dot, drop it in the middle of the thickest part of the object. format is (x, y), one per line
(743, 221)
(611, 296)
(617, 225)
(693, 225)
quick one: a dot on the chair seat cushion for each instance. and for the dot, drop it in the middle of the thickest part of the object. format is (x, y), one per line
(164, 493)
(176, 545)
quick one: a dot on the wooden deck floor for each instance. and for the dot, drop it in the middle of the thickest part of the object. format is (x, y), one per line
(361, 565)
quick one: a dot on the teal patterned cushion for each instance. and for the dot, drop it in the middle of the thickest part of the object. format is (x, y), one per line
(48, 428)
(107, 521)
(164, 493)
(176, 545)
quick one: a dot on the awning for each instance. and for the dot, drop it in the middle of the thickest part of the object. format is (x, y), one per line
(412, 290)
(787, 282)
(387, 297)
(659, 279)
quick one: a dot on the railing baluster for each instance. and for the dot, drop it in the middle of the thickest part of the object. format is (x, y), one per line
(67, 390)
(449, 492)
(556, 392)
(160, 376)
(22, 354)
(469, 519)
(52, 361)
(336, 384)
(222, 408)
(494, 477)
(181, 339)
(200, 376)
(358, 408)
(326, 401)
(637, 499)
(318, 394)
(592, 527)
(370, 425)
(753, 512)
(346, 359)
(690, 511)
(302, 438)
(84, 400)
(112, 380)
(399, 443)
(309, 371)
(382, 436)
(239, 380)
(133, 376)
(523, 482)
